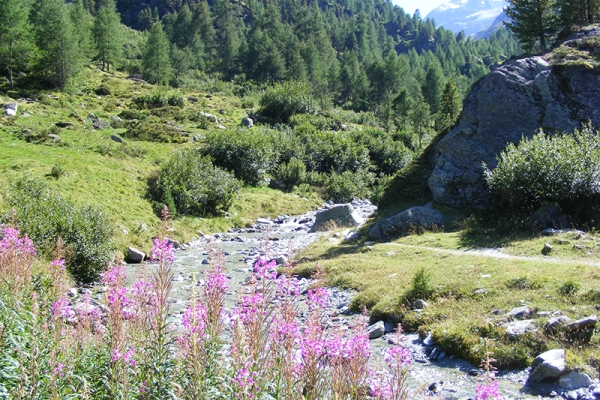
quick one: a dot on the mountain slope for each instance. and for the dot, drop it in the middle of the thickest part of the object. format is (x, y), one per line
(471, 16)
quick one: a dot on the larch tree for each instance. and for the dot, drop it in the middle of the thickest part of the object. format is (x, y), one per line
(451, 105)
(156, 63)
(107, 34)
(60, 57)
(534, 22)
(16, 41)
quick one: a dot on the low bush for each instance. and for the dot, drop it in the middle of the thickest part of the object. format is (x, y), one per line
(155, 132)
(103, 90)
(160, 99)
(189, 184)
(132, 114)
(248, 154)
(283, 100)
(45, 216)
(561, 168)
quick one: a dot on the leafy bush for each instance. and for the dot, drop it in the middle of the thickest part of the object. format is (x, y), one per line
(562, 168)
(569, 288)
(132, 114)
(292, 173)
(154, 132)
(189, 184)
(248, 154)
(45, 216)
(344, 187)
(160, 99)
(103, 90)
(283, 100)
(385, 153)
(57, 171)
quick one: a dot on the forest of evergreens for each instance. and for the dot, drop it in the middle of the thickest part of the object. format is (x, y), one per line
(364, 56)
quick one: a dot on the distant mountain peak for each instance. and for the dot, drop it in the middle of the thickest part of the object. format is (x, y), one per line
(471, 16)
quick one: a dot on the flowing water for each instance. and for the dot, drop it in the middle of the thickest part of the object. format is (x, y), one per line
(446, 377)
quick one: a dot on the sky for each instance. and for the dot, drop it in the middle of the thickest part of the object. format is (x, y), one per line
(424, 6)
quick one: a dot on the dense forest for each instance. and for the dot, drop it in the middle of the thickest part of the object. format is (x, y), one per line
(359, 55)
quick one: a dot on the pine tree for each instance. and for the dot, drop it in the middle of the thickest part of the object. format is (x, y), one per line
(156, 64)
(578, 12)
(16, 42)
(534, 22)
(451, 105)
(81, 18)
(57, 40)
(433, 86)
(107, 34)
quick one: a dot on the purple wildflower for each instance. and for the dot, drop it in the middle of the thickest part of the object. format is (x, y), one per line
(61, 309)
(487, 391)
(162, 251)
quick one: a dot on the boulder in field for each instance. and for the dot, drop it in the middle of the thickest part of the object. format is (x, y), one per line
(340, 215)
(418, 218)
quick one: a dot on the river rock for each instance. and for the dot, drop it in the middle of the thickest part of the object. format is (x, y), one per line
(376, 330)
(581, 330)
(11, 109)
(555, 325)
(511, 102)
(420, 218)
(549, 216)
(63, 124)
(135, 256)
(340, 215)
(520, 328)
(522, 312)
(547, 366)
(247, 122)
(574, 380)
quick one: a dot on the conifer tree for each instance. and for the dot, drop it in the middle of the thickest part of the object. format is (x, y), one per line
(433, 86)
(450, 106)
(107, 34)
(578, 12)
(55, 35)
(156, 64)
(534, 22)
(82, 19)
(16, 42)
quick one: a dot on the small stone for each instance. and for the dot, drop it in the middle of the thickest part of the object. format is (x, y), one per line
(520, 328)
(72, 292)
(476, 372)
(547, 249)
(376, 330)
(53, 137)
(435, 387)
(522, 312)
(135, 256)
(264, 221)
(116, 138)
(480, 291)
(548, 365)
(575, 380)
(63, 124)
(11, 109)
(205, 262)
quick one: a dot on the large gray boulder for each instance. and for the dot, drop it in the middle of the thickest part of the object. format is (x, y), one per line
(405, 222)
(513, 101)
(11, 109)
(547, 366)
(340, 215)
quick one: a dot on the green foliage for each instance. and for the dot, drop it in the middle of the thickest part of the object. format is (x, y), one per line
(57, 171)
(248, 154)
(45, 216)
(160, 98)
(421, 287)
(103, 90)
(188, 184)
(535, 23)
(560, 168)
(569, 288)
(344, 187)
(154, 132)
(283, 100)
(16, 41)
(107, 34)
(156, 64)
(292, 173)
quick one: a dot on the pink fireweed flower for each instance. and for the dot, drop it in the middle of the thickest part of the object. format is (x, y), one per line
(217, 281)
(250, 308)
(58, 370)
(57, 267)
(266, 269)
(194, 319)
(12, 241)
(397, 357)
(115, 276)
(61, 309)
(162, 251)
(317, 299)
(487, 391)
(127, 357)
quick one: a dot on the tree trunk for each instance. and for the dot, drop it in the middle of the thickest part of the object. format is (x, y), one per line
(10, 76)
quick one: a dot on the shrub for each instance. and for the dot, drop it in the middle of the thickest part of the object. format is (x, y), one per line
(160, 99)
(292, 173)
(103, 90)
(248, 154)
(562, 168)
(421, 287)
(154, 132)
(569, 288)
(283, 100)
(45, 216)
(385, 153)
(189, 184)
(132, 114)
(57, 171)
(344, 187)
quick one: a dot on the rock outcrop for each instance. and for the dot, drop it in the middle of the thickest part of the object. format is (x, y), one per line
(418, 219)
(513, 101)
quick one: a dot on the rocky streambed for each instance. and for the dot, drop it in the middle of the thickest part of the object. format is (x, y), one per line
(432, 370)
